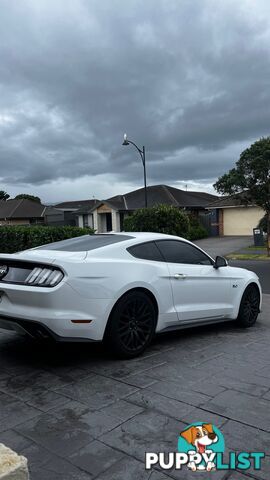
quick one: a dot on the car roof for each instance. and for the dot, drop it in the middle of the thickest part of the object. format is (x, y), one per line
(149, 235)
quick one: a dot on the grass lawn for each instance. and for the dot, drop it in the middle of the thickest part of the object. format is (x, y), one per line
(248, 256)
(250, 253)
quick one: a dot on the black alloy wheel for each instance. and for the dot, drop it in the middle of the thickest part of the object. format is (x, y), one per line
(249, 307)
(132, 325)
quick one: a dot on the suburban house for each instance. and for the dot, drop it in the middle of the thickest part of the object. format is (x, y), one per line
(230, 215)
(69, 211)
(25, 212)
(108, 215)
(235, 215)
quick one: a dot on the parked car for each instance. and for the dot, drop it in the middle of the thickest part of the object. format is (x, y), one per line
(122, 288)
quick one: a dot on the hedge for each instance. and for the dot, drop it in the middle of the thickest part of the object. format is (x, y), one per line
(165, 219)
(161, 219)
(16, 238)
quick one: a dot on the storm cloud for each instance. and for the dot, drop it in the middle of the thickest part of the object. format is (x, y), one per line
(189, 80)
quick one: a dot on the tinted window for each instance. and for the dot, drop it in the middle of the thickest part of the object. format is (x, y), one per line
(181, 252)
(147, 251)
(86, 242)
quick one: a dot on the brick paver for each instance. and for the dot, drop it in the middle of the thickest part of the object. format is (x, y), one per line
(77, 414)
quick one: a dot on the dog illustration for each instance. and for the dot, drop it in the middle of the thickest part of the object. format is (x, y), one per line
(201, 437)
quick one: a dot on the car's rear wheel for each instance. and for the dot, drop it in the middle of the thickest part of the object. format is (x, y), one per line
(131, 325)
(249, 307)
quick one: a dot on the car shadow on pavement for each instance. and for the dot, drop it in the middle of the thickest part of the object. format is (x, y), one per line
(28, 352)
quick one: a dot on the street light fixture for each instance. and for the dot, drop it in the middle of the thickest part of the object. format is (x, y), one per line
(142, 155)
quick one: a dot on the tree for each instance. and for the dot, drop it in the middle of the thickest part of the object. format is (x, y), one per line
(4, 195)
(28, 197)
(263, 224)
(161, 219)
(251, 178)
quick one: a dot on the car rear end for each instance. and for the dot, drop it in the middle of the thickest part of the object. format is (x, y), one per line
(56, 291)
(37, 297)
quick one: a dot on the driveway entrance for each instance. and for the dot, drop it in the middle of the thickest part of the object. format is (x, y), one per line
(223, 245)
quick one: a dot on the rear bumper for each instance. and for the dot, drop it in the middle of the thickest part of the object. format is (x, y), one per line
(36, 330)
(49, 312)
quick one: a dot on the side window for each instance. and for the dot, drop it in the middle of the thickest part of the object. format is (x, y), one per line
(180, 252)
(147, 251)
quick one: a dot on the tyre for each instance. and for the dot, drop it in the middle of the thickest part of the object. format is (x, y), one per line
(249, 307)
(132, 325)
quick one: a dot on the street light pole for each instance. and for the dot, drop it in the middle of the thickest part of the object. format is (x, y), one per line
(142, 155)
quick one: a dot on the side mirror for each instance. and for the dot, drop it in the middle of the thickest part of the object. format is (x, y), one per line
(220, 262)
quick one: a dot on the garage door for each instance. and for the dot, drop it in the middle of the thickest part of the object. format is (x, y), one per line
(241, 221)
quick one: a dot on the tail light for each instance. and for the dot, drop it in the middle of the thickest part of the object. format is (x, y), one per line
(28, 273)
(45, 277)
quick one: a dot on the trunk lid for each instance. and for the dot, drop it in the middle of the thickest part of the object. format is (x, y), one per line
(46, 256)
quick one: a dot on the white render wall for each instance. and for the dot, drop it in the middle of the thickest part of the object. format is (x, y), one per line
(90, 220)
(115, 221)
(80, 221)
(99, 221)
(95, 221)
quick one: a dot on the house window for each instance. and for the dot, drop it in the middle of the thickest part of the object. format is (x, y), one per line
(34, 221)
(85, 220)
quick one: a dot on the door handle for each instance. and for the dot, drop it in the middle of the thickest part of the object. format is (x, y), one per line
(179, 276)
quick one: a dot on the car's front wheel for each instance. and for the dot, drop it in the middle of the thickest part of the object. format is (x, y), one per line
(249, 307)
(131, 325)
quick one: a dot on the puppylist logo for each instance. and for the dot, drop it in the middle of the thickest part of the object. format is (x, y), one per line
(201, 447)
(201, 442)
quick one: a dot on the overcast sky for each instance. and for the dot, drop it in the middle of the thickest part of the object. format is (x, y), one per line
(190, 80)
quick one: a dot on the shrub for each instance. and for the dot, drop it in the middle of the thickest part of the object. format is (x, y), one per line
(161, 219)
(196, 230)
(263, 224)
(16, 238)
(195, 233)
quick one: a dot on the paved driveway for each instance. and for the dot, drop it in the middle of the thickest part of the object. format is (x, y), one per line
(223, 245)
(78, 415)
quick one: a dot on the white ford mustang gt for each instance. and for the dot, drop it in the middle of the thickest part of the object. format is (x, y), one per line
(121, 288)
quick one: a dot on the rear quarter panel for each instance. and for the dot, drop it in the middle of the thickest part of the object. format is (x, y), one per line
(110, 278)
